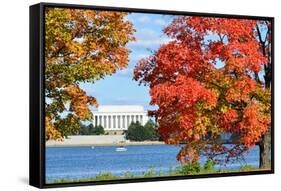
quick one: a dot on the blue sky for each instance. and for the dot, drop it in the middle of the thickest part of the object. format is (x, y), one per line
(120, 88)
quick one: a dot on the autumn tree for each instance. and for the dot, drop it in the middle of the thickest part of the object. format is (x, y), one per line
(213, 78)
(80, 46)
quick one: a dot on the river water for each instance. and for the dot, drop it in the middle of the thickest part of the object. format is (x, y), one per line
(85, 162)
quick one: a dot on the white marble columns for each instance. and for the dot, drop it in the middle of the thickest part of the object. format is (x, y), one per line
(119, 117)
(118, 121)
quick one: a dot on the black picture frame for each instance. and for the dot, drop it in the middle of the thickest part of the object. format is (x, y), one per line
(37, 98)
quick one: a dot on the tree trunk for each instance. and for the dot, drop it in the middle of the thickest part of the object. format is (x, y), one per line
(265, 143)
(265, 151)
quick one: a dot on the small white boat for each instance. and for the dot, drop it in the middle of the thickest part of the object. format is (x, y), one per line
(92, 147)
(120, 149)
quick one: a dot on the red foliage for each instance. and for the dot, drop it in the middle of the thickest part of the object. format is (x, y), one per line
(205, 82)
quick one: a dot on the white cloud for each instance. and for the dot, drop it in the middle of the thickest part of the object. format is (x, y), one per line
(137, 57)
(149, 43)
(160, 22)
(146, 33)
(148, 39)
(126, 72)
(144, 19)
(140, 56)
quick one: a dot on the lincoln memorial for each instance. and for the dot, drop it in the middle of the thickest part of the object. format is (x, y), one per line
(119, 117)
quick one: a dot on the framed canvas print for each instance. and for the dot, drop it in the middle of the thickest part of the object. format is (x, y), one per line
(123, 95)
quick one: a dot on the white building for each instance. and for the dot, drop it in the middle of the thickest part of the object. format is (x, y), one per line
(119, 117)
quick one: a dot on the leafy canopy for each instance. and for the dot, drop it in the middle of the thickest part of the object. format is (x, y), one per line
(138, 132)
(212, 78)
(80, 46)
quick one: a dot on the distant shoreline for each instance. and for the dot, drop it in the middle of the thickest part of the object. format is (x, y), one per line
(100, 140)
(108, 144)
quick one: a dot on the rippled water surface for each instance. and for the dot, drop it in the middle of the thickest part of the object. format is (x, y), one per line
(84, 162)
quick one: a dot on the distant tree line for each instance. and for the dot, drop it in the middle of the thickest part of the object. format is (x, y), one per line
(138, 132)
(135, 132)
(89, 130)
